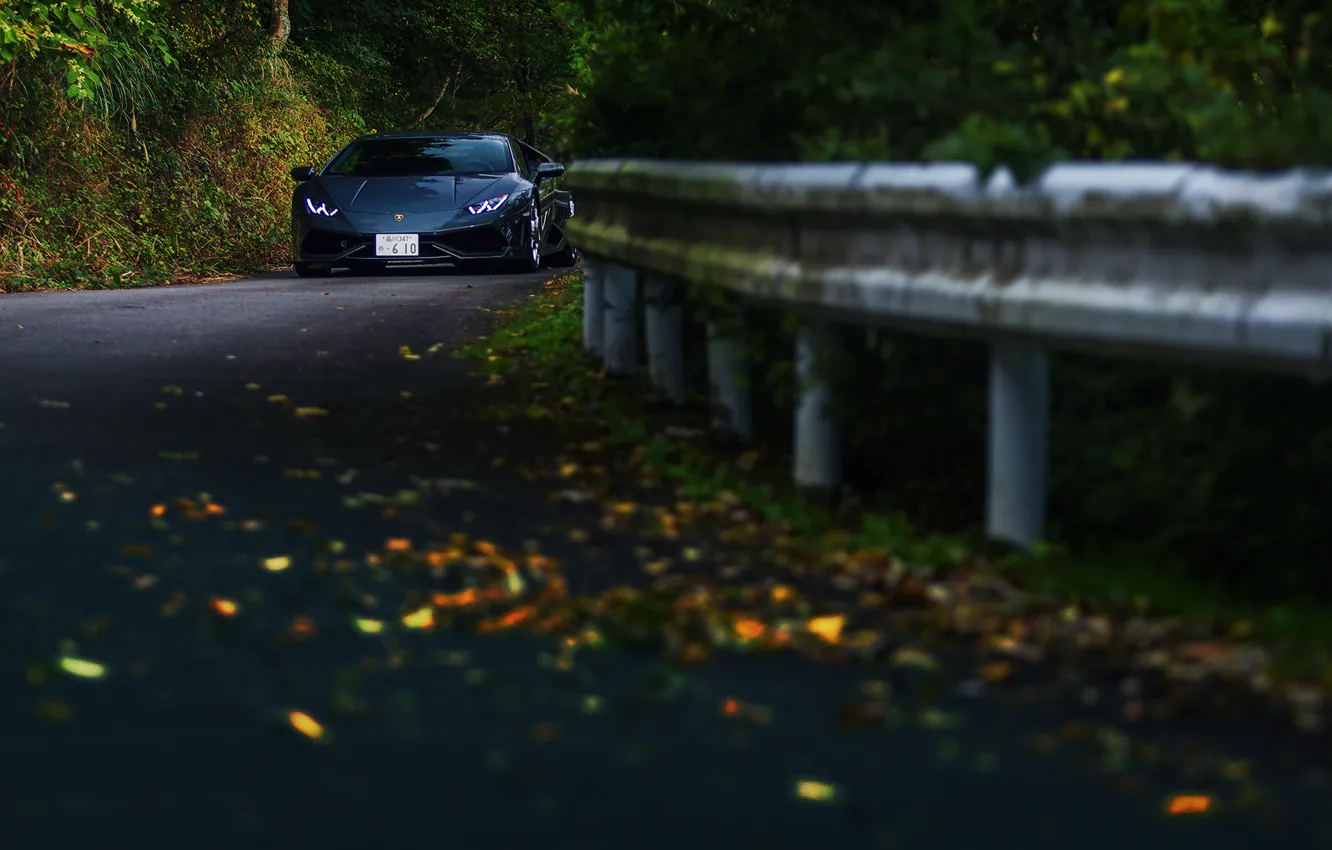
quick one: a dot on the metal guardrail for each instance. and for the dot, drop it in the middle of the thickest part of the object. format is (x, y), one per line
(1151, 259)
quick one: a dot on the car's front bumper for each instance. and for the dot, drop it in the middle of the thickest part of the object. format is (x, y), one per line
(333, 242)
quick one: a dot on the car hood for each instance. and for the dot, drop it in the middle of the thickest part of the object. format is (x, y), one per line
(411, 194)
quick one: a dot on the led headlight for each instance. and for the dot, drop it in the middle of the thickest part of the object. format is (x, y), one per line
(488, 205)
(322, 209)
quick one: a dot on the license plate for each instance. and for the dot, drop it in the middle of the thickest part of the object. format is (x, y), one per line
(397, 244)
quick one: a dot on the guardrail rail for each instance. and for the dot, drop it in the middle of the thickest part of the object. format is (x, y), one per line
(1127, 259)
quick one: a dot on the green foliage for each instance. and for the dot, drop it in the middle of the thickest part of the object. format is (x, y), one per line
(1021, 84)
(88, 38)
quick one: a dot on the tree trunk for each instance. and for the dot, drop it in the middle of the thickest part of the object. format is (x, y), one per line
(522, 77)
(279, 23)
(450, 83)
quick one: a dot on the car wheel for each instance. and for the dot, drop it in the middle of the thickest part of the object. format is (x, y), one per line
(307, 270)
(531, 259)
(564, 258)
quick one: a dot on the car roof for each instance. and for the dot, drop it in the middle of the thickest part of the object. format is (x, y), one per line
(429, 134)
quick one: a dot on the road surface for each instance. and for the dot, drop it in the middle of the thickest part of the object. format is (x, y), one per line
(118, 404)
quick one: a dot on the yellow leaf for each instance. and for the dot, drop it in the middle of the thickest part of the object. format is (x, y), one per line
(1114, 76)
(277, 564)
(514, 582)
(828, 628)
(910, 657)
(82, 668)
(305, 724)
(812, 789)
(303, 412)
(367, 626)
(277, 398)
(656, 568)
(423, 618)
(933, 718)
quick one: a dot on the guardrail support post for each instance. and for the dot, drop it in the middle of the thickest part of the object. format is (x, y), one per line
(728, 379)
(1018, 443)
(817, 453)
(621, 321)
(665, 339)
(594, 307)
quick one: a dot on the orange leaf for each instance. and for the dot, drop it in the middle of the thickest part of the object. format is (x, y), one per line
(996, 671)
(1189, 804)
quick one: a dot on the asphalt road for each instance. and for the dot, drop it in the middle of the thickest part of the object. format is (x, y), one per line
(115, 402)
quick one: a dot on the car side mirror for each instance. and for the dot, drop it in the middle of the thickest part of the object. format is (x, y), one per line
(301, 173)
(549, 169)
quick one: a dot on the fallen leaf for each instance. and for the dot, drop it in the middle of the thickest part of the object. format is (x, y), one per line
(422, 618)
(306, 725)
(911, 657)
(367, 626)
(813, 789)
(82, 668)
(828, 628)
(1189, 804)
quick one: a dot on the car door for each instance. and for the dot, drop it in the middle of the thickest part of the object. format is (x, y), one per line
(554, 199)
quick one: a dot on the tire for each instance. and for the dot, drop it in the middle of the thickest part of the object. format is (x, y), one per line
(307, 270)
(566, 257)
(531, 261)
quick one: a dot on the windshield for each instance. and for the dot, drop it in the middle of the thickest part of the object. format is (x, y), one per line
(421, 157)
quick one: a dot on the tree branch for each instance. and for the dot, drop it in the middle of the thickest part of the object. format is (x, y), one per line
(449, 83)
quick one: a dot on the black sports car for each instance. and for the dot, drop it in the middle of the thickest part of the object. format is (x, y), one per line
(427, 199)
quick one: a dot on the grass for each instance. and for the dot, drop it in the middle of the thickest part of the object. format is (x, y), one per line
(538, 345)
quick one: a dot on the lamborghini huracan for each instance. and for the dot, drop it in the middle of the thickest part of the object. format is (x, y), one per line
(431, 199)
